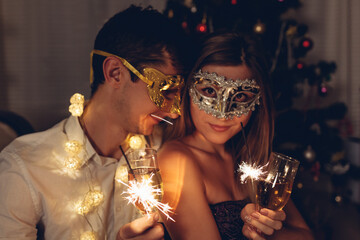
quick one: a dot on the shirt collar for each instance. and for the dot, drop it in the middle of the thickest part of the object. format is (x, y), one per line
(73, 130)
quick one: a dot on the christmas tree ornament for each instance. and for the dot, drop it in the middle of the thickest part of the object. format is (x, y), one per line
(193, 9)
(259, 27)
(306, 43)
(201, 27)
(309, 154)
(184, 25)
(323, 89)
(338, 199)
(170, 13)
(291, 31)
(299, 65)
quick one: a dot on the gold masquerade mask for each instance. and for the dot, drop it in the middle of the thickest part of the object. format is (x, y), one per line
(164, 90)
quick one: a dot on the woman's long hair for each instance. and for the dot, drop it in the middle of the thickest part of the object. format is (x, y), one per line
(231, 49)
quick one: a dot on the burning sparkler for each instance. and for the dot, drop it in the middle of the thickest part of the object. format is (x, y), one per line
(250, 171)
(143, 192)
(247, 170)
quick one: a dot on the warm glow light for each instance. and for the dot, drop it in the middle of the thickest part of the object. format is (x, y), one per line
(73, 147)
(135, 142)
(250, 171)
(88, 236)
(73, 162)
(77, 98)
(143, 192)
(91, 201)
(77, 104)
(76, 109)
(121, 174)
(258, 28)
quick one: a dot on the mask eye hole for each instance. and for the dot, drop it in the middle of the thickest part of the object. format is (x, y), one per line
(207, 91)
(169, 94)
(243, 97)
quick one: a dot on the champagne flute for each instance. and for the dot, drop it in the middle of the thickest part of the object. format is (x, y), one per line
(145, 175)
(273, 189)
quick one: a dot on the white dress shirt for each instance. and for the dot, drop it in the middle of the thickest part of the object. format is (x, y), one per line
(35, 186)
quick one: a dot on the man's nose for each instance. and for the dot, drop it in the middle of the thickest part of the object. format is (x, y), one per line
(172, 115)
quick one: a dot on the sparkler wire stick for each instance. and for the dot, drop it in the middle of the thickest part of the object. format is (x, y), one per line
(128, 163)
(153, 115)
(250, 160)
(246, 144)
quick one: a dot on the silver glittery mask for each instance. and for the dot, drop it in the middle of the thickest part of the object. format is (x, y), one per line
(224, 98)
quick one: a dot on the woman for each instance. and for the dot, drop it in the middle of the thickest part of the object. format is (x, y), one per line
(228, 89)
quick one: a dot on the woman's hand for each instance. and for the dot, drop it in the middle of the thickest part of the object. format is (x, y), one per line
(258, 224)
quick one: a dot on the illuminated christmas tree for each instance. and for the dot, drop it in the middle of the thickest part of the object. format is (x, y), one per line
(307, 133)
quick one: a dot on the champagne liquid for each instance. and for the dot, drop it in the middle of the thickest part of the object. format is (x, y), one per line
(156, 181)
(273, 196)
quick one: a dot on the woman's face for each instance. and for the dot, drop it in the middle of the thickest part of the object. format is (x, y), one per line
(220, 130)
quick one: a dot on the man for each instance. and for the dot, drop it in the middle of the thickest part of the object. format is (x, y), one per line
(62, 179)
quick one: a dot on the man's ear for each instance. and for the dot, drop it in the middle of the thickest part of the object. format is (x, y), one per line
(114, 71)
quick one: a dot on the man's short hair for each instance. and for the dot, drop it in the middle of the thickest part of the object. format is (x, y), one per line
(141, 36)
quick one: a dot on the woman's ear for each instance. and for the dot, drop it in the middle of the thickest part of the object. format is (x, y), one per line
(114, 71)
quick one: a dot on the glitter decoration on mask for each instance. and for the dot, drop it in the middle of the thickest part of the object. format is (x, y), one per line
(224, 98)
(164, 90)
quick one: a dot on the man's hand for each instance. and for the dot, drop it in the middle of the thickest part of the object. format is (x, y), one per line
(142, 228)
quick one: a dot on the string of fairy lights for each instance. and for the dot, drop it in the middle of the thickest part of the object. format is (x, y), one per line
(90, 202)
(75, 160)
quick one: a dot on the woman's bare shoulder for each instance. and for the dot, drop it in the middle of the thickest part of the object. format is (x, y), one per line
(177, 154)
(176, 147)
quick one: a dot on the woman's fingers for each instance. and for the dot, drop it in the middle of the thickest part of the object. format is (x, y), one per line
(267, 221)
(264, 222)
(276, 215)
(256, 220)
(251, 233)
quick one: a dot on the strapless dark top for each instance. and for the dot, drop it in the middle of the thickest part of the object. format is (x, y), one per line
(228, 220)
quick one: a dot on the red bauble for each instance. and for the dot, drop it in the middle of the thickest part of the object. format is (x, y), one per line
(306, 43)
(299, 65)
(323, 89)
(201, 28)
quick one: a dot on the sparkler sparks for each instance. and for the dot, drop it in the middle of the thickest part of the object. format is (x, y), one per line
(153, 115)
(250, 171)
(143, 193)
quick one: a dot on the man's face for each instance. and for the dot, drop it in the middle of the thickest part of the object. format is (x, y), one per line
(135, 108)
(163, 89)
